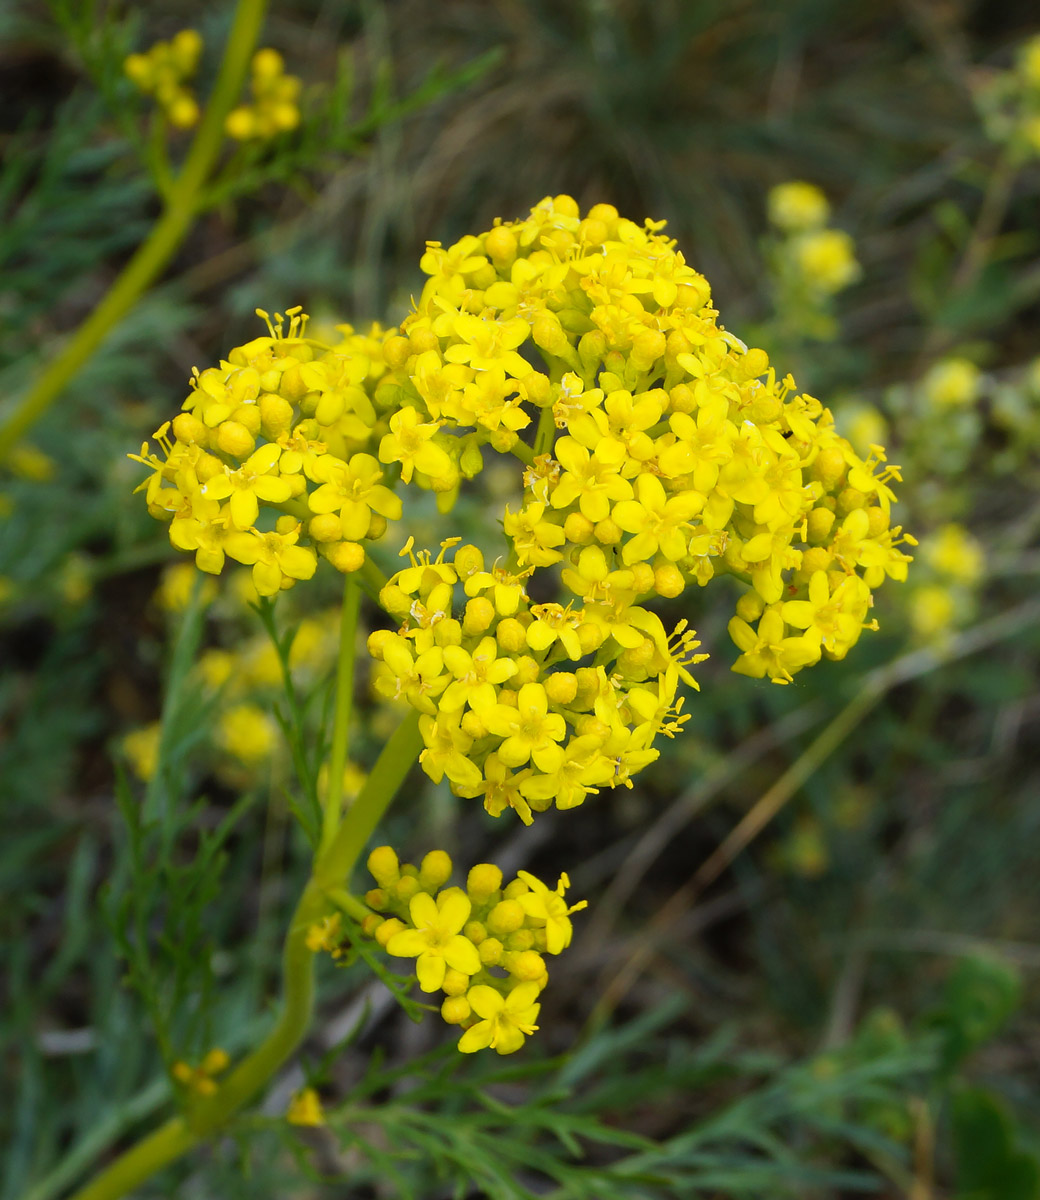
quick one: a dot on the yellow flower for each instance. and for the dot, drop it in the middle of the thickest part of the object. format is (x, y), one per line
(506, 1021)
(247, 733)
(409, 443)
(353, 489)
(530, 731)
(952, 383)
(254, 481)
(768, 651)
(436, 941)
(550, 908)
(305, 1108)
(658, 522)
(826, 260)
(276, 559)
(141, 747)
(796, 206)
(956, 554)
(476, 675)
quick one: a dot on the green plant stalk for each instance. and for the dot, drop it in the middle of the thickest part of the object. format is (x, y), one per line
(182, 204)
(182, 1133)
(348, 622)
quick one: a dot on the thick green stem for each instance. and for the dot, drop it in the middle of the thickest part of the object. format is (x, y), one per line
(323, 891)
(341, 714)
(395, 761)
(181, 208)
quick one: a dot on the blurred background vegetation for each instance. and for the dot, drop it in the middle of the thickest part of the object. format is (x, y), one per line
(845, 1004)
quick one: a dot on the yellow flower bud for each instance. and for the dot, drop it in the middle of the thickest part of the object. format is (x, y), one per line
(750, 607)
(820, 524)
(642, 578)
(849, 500)
(479, 615)
(455, 1010)
(234, 439)
(188, 429)
(577, 528)
(500, 245)
(377, 898)
(829, 467)
(517, 887)
(406, 887)
(475, 931)
(668, 580)
(561, 687)
(435, 870)
(879, 521)
(456, 983)
(505, 917)
(346, 556)
(527, 965)
(490, 951)
(511, 635)
(520, 939)
(325, 528)
(384, 865)
(548, 335)
(386, 930)
(483, 881)
(607, 532)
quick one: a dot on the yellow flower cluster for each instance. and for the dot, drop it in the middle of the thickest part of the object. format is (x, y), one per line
(275, 101)
(954, 564)
(659, 452)
(163, 72)
(285, 428)
(822, 259)
(484, 946)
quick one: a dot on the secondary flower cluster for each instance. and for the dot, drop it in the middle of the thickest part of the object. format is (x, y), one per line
(821, 259)
(274, 109)
(1009, 103)
(285, 425)
(163, 72)
(483, 947)
(509, 714)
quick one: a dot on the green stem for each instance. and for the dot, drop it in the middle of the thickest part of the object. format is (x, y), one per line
(181, 208)
(333, 868)
(323, 890)
(341, 718)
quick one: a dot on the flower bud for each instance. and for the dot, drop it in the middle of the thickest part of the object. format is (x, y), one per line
(577, 528)
(511, 635)
(455, 1010)
(276, 415)
(383, 865)
(505, 917)
(386, 930)
(490, 951)
(500, 245)
(561, 687)
(435, 870)
(325, 528)
(346, 556)
(483, 880)
(456, 983)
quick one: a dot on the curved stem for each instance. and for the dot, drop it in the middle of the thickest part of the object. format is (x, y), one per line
(397, 758)
(181, 208)
(333, 806)
(323, 890)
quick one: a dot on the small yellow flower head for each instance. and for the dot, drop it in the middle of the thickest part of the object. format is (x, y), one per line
(952, 383)
(200, 1079)
(932, 610)
(274, 109)
(826, 260)
(163, 71)
(141, 748)
(305, 1108)
(247, 734)
(461, 939)
(797, 207)
(955, 554)
(177, 585)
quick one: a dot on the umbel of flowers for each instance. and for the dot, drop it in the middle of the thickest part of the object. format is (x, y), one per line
(656, 452)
